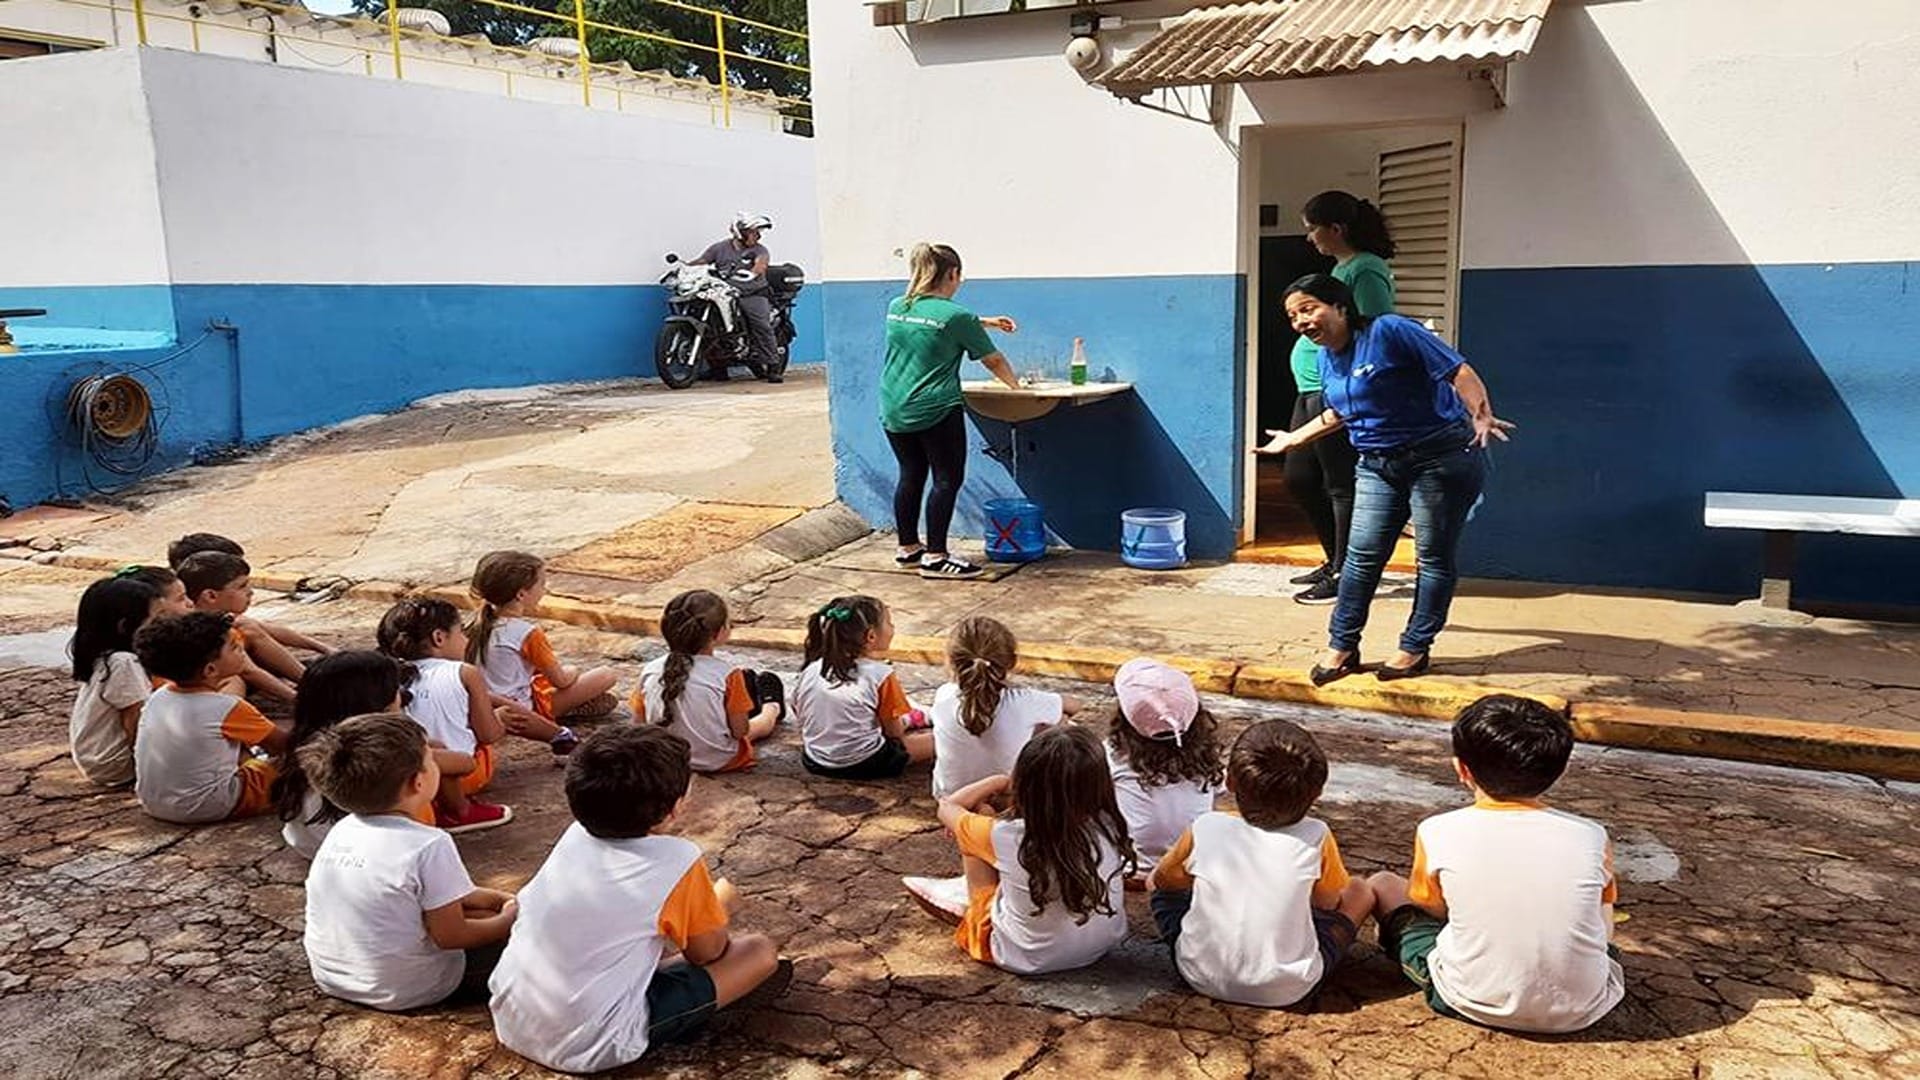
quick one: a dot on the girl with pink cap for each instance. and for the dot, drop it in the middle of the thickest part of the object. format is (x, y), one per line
(1163, 750)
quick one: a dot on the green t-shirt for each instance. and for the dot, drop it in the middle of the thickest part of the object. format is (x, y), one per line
(925, 342)
(1371, 280)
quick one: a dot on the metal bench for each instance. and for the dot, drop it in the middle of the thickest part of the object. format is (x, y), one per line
(1781, 517)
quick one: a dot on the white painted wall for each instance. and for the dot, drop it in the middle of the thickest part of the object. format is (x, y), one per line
(275, 175)
(978, 134)
(362, 48)
(78, 210)
(1700, 132)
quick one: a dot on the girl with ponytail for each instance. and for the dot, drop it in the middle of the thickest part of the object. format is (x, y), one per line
(850, 707)
(518, 661)
(928, 335)
(1353, 232)
(980, 721)
(719, 709)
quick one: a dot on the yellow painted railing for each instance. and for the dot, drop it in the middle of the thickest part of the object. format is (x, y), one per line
(571, 14)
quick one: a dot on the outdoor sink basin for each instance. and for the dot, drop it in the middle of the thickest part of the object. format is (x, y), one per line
(995, 400)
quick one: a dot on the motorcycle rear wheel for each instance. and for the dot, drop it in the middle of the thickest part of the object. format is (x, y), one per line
(673, 356)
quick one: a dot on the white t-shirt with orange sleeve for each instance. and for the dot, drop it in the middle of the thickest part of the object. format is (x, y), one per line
(371, 882)
(714, 689)
(1015, 937)
(187, 753)
(840, 721)
(960, 757)
(1249, 937)
(438, 702)
(100, 744)
(570, 991)
(1526, 889)
(517, 650)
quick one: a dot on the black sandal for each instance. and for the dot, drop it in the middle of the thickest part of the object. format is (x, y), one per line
(1388, 673)
(1321, 676)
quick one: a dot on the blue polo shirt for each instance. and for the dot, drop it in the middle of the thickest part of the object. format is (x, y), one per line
(1392, 384)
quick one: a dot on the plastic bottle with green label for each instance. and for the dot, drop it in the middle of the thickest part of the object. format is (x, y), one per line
(1077, 369)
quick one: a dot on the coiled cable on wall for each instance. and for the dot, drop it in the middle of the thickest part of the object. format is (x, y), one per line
(112, 415)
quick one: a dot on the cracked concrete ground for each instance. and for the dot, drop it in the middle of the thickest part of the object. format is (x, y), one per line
(636, 493)
(1773, 929)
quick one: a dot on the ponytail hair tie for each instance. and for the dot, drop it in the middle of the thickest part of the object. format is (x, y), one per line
(837, 614)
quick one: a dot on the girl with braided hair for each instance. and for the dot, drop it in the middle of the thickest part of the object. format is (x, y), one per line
(980, 721)
(850, 707)
(719, 709)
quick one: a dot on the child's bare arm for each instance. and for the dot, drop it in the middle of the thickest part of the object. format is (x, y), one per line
(704, 949)
(276, 743)
(267, 653)
(1070, 704)
(486, 724)
(130, 718)
(451, 927)
(267, 682)
(968, 799)
(294, 639)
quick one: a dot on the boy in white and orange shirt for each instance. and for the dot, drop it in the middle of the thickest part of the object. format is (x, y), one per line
(191, 759)
(1508, 917)
(222, 584)
(1256, 905)
(584, 983)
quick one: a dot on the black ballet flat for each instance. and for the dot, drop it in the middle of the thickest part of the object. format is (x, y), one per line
(1321, 676)
(1388, 673)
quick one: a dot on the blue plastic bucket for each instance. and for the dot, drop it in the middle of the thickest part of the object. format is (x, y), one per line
(1016, 530)
(1154, 538)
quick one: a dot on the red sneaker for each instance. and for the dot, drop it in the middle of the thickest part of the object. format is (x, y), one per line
(479, 815)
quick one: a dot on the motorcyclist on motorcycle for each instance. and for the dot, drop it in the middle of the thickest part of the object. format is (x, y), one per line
(742, 259)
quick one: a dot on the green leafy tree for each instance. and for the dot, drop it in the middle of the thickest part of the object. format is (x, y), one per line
(508, 27)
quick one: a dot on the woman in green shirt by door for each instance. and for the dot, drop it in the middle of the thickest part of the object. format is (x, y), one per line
(921, 408)
(1320, 475)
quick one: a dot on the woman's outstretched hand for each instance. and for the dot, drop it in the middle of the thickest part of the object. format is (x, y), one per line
(1002, 323)
(1488, 427)
(1279, 443)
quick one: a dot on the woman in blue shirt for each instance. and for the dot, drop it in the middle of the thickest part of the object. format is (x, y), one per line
(1420, 419)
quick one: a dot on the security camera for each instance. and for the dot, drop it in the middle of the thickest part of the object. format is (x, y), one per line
(1083, 53)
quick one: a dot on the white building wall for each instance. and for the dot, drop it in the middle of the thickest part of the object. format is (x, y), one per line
(79, 210)
(1674, 132)
(990, 142)
(270, 175)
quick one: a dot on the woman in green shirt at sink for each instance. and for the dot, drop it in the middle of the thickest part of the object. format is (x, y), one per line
(1320, 475)
(921, 407)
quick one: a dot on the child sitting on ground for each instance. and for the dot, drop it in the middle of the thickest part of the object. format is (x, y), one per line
(220, 583)
(194, 543)
(851, 709)
(582, 986)
(1045, 881)
(979, 721)
(448, 698)
(1163, 750)
(113, 685)
(393, 920)
(720, 710)
(190, 755)
(519, 662)
(1257, 906)
(173, 595)
(1508, 918)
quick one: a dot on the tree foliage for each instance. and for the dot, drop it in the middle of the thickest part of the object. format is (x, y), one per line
(506, 27)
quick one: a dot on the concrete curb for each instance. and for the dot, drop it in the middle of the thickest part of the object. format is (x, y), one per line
(1890, 755)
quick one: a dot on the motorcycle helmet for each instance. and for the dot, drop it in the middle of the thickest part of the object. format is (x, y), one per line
(744, 220)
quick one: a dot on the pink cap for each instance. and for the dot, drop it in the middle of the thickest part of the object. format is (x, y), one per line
(1158, 701)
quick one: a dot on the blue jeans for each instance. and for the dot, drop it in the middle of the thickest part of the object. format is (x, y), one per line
(1435, 481)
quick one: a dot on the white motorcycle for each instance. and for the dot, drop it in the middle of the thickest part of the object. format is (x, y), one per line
(705, 327)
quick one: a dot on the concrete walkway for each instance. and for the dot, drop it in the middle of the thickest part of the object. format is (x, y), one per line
(635, 493)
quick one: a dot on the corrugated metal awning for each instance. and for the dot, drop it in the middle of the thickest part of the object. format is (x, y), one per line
(1288, 39)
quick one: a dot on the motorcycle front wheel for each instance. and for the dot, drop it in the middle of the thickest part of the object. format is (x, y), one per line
(673, 356)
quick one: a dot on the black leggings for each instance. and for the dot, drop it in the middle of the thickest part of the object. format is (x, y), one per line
(941, 449)
(1320, 475)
